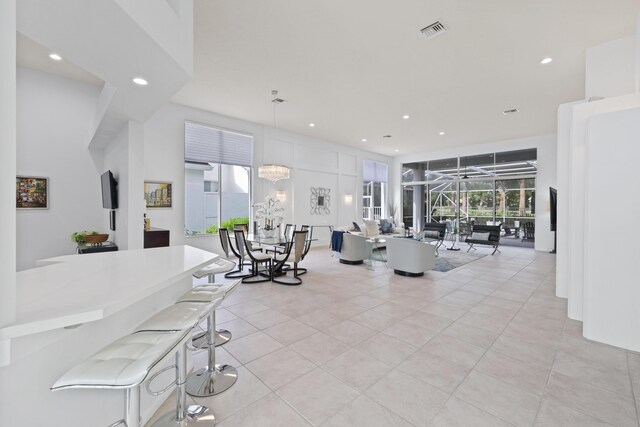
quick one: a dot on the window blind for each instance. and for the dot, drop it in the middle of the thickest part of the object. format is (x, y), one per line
(206, 144)
(374, 171)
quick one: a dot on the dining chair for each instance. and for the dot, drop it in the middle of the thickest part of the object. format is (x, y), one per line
(256, 260)
(227, 244)
(289, 229)
(307, 246)
(251, 246)
(298, 247)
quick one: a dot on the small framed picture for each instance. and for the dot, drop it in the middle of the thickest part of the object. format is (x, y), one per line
(158, 194)
(32, 192)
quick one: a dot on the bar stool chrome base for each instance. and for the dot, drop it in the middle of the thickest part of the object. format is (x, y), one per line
(204, 382)
(200, 340)
(197, 415)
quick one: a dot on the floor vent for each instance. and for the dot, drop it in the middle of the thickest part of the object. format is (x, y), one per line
(433, 30)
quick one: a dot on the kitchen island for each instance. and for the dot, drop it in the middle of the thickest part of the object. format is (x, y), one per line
(70, 307)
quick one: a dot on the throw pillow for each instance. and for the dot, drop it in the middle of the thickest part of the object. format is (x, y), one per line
(356, 227)
(431, 234)
(371, 227)
(480, 236)
(386, 227)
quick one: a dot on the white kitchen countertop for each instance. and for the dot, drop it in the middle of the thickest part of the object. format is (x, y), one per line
(75, 289)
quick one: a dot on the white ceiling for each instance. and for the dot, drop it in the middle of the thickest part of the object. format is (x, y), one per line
(30, 54)
(355, 67)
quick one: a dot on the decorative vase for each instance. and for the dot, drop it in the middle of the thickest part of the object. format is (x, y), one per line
(268, 233)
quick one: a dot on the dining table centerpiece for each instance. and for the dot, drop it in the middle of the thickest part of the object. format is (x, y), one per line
(268, 215)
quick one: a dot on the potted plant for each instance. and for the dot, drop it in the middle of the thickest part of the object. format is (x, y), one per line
(268, 215)
(91, 237)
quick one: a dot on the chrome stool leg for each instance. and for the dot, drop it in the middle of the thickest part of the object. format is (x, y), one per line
(214, 378)
(201, 340)
(183, 416)
(132, 406)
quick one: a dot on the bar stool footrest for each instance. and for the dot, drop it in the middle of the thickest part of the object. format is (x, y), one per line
(204, 383)
(197, 415)
(200, 339)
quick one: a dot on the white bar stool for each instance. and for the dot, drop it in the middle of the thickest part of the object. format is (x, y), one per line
(220, 265)
(212, 379)
(124, 364)
(181, 317)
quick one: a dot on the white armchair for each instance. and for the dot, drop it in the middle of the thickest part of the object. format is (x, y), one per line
(355, 249)
(410, 257)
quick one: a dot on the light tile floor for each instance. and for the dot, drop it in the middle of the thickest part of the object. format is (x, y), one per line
(486, 344)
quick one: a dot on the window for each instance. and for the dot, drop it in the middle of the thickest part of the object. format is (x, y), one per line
(217, 178)
(374, 193)
(485, 188)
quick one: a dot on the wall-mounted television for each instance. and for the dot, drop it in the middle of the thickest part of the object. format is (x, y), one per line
(553, 198)
(109, 191)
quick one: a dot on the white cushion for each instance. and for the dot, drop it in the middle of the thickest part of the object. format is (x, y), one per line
(261, 256)
(124, 363)
(210, 293)
(371, 228)
(177, 317)
(431, 234)
(218, 266)
(480, 236)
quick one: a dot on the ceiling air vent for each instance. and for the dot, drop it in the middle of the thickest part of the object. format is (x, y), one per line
(511, 111)
(433, 30)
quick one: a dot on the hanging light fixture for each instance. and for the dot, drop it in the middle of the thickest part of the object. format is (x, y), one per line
(274, 172)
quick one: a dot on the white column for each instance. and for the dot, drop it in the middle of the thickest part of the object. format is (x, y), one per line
(136, 185)
(7, 166)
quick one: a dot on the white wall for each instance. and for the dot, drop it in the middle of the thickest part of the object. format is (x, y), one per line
(571, 251)
(611, 68)
(53, 116)
(563, 233)
(545, 178)
(7, 168)
(313, 162)
(611, 292)
(124, 156)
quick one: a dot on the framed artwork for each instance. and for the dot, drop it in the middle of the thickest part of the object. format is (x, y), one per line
(32, 192)
(158, 194)
(320, 199)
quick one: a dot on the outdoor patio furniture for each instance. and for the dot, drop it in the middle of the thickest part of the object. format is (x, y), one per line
(484, 235)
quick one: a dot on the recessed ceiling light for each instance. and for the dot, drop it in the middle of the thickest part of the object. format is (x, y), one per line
(55, 56)
(396, 150)
(441, 133)
(546, 60)
(140, 81)
(311, 125)
(406, 116)
(364, 139)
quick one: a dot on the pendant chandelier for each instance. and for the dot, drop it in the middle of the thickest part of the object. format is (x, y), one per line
(274, 172)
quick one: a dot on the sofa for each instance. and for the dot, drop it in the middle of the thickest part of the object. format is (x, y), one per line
(370, 229)
(355, 248)
(409, 257)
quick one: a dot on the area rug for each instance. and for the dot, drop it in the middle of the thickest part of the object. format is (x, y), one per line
(448, 260)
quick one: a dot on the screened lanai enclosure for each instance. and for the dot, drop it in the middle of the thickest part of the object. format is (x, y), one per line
(492, 189)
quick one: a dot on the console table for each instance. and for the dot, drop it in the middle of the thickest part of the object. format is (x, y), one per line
(90, 249)
(156, 238)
